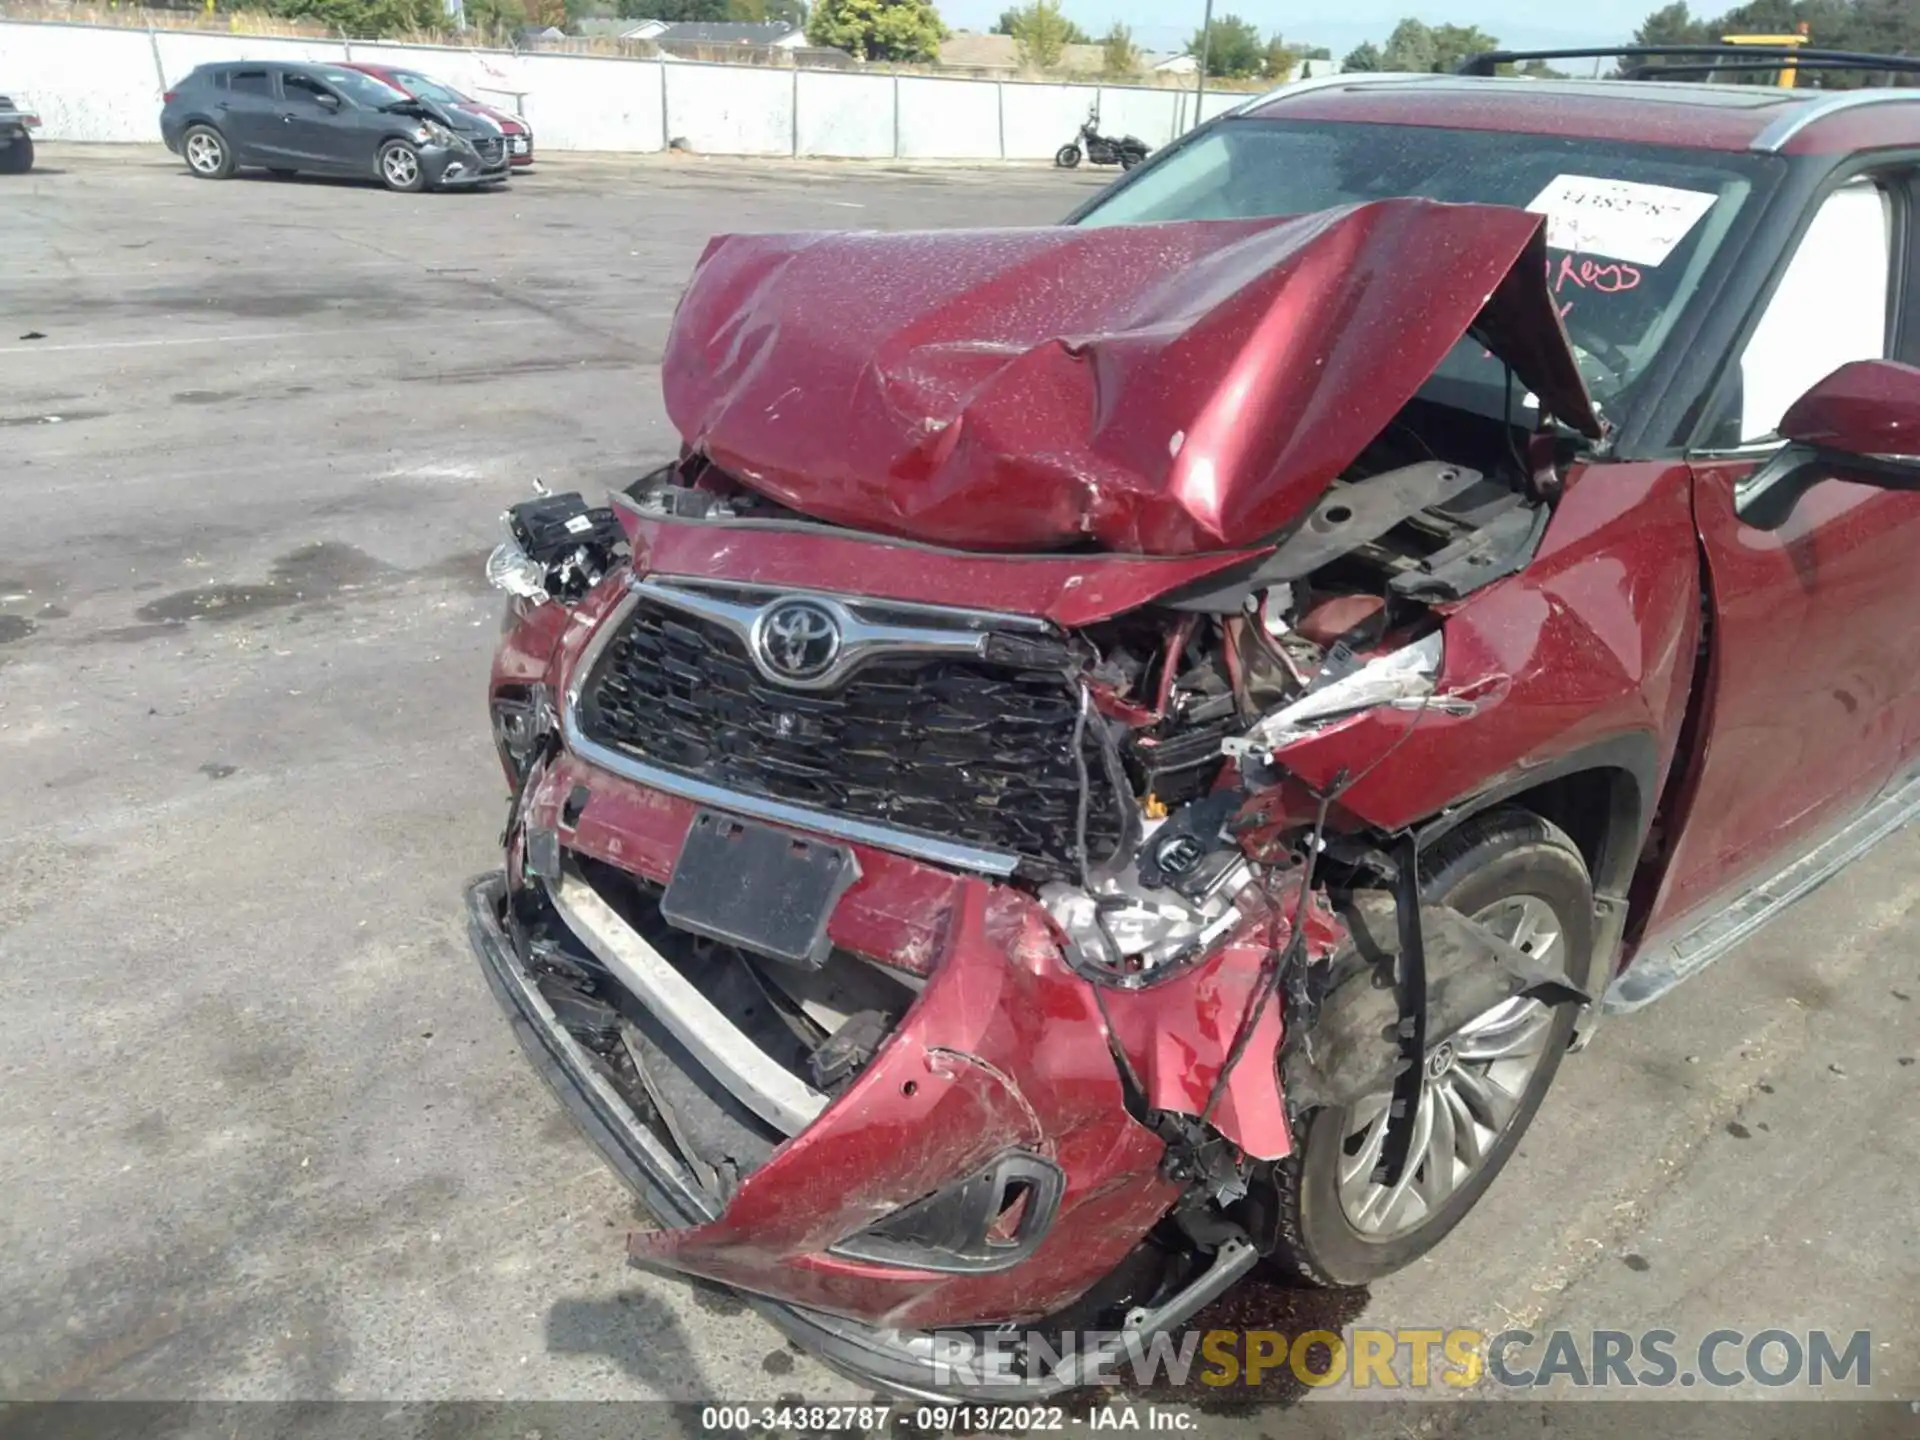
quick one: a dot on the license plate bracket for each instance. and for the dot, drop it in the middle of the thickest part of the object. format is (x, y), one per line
(766, 890)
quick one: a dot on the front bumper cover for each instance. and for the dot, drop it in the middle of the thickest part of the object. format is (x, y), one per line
(905, 1363)
(450, 167)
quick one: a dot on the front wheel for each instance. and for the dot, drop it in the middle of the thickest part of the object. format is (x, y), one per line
(1130, 158)
(1525, 880)
(17, 158)
(1067, 156)
(208, 154)
(400, 167)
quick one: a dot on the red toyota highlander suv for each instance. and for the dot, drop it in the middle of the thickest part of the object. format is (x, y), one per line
(1122, 751)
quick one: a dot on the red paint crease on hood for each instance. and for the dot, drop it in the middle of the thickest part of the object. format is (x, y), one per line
(1160, 389)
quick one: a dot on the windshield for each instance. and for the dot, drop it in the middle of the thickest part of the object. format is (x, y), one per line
(426, 89)
(1631, 228)
(360, 87)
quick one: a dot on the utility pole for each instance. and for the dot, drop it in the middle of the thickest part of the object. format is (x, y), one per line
(1206, 42)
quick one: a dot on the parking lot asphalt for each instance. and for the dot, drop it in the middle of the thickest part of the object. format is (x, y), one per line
(263, 1131)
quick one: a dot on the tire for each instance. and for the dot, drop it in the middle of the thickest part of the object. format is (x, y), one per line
(206, 152)
(1067, 157)
(17, 158)
(1493, 867)
(400, 167)
(1130, 158)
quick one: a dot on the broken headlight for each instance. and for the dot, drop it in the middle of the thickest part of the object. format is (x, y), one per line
(1169, 905)
(555, 547)
(511, 569)
(1346, 687)
(523, 719)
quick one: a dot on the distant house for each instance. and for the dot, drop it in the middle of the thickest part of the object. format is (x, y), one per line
(777, 34)
(822, 57)
(601, 28)
(535, 35)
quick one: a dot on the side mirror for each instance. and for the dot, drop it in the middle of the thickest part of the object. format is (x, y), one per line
(1861, 423)
(328, 101)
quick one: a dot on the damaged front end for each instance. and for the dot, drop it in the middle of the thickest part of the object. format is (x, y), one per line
(942, 935)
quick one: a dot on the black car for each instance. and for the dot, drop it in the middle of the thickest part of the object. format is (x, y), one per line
(16, 145)
(324, 120)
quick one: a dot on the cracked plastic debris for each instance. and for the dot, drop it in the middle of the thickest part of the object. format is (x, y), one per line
(1405, 676)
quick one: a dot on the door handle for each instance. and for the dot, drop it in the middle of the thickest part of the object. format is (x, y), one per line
(286, 117)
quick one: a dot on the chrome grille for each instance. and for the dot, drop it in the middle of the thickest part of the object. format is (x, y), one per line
(966, 750)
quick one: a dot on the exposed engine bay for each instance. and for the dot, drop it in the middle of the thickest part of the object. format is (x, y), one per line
(1177, 709)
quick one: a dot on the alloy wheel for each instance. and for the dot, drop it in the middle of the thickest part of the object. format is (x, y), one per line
(1474, 1084)
(401, 166)
(205, 152)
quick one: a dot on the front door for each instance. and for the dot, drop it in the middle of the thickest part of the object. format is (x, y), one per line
(322, 130)
(1814, 629)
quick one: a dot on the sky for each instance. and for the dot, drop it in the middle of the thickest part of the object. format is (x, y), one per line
(1339, 24)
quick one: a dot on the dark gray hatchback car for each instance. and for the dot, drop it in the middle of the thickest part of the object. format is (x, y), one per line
(324, 120)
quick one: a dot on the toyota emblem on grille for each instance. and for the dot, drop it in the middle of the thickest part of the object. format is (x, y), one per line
(796, 640)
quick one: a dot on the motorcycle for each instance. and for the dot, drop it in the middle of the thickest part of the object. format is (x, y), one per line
(1125, 151)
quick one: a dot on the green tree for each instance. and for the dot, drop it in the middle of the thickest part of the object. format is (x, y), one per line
(674, 11)
(1882, 27)
(1278, 59)
(1671, 25)
(1316, 52)
(1233, 50)
(761, 12)
(1041, 34)
(1119, 56)
(1409, 47)
(494, 17)
(1364, 56)
(899, 30)
(367, 19)
(1454, 43)
(1009, 18)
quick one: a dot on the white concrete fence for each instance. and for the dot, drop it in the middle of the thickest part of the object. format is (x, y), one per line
(97, 83)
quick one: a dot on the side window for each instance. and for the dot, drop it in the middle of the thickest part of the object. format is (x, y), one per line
(1831, 307)
(303, 90)
(250, 82)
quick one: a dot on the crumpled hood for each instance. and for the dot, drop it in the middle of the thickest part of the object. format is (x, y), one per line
(1160, 389)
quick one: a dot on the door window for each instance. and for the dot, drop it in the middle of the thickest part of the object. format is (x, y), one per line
(251, 82)
(1831, 307)
(303, 90)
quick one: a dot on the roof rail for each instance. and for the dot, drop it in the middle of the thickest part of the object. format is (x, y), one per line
(1669, 70)
(1327, 82)
(1745, 57)
(1774, 138)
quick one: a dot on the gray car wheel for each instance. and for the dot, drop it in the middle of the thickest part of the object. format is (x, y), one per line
(17, 158)
(400, 167)
(1524, 879)
(207, 153)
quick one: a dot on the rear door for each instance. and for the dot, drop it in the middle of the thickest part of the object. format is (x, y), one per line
(249, 116)
(1813, 629)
